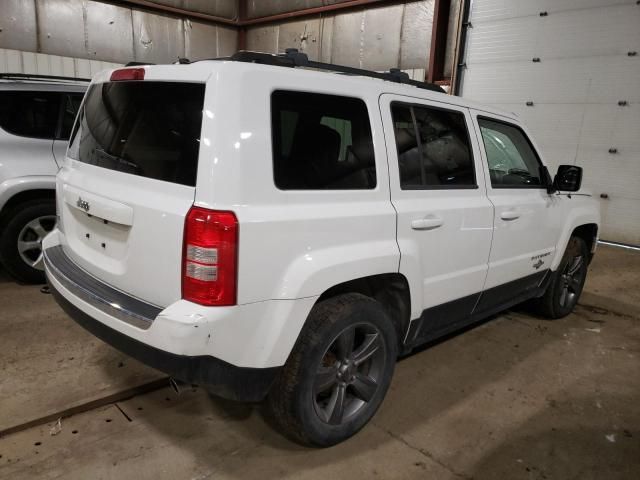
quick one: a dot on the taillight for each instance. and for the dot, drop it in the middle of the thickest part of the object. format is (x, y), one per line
(127, 74)
(210, 257)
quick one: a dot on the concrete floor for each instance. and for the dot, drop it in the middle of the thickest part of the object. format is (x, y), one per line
(515, 398)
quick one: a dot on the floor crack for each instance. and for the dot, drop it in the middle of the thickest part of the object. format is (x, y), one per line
(424, 453)
(122, 412)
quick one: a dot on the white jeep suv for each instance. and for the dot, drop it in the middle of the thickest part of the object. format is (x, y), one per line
(36, 116)
(285, 233)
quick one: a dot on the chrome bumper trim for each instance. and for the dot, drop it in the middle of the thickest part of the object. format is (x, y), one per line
(96, 293)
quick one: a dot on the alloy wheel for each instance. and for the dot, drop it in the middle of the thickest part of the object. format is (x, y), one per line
(572, 279)
(349, 374)
(30, 240)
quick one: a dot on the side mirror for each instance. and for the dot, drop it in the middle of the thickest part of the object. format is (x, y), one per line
(568, 178)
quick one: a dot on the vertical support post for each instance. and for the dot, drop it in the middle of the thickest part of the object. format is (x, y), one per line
(438, 51)
(242, 29)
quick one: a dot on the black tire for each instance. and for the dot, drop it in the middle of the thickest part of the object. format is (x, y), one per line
(563, 292)
(14, 226)
(296, 401)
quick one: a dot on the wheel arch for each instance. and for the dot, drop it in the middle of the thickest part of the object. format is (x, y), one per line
(582, 220)
(24, 196)
(390, 289)
(589, 233)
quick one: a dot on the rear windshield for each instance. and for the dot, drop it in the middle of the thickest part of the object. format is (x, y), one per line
(150, 129)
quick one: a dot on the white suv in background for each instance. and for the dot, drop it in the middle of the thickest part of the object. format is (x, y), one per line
(36, 116)
(286, 233)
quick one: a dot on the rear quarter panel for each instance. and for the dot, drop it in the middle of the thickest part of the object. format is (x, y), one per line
(293, 244)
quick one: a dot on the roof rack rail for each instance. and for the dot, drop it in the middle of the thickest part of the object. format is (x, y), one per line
(40, 77)
(137, 64)
(293, 58)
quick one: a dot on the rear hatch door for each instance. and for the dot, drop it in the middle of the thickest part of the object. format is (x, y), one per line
(129, 181)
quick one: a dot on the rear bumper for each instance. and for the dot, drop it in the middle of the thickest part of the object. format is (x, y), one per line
(225, 350)
(217, 376)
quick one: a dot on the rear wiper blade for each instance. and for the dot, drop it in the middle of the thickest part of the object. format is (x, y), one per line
(119, 163)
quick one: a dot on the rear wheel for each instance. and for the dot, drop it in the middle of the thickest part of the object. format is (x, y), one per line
(564, 291)
(338, 372)
(21, 242)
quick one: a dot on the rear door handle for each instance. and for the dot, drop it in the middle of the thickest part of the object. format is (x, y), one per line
(509, 215)
(428, 223)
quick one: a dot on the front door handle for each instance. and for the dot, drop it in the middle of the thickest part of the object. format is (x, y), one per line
(428, 223)
(509, 215)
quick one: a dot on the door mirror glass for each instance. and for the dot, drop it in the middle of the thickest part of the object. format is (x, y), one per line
(568, 178)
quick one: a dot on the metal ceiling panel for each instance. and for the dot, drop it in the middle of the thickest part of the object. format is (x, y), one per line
(263, 8)
(109, 32)
(18, 25)
(218, 8)
(61, 29)
(157, 38)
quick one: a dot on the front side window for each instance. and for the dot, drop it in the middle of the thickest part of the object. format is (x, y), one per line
(145, 128)
(29, 114)
(513, 162)
(433, 148)
(321, 142)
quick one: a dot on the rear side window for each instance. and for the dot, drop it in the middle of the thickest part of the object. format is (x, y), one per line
(433, 148)
(321, 142)
(30, 114)
(513, 163)
(150, 129)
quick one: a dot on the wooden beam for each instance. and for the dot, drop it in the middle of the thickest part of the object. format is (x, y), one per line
(437, 55)
(242, 30)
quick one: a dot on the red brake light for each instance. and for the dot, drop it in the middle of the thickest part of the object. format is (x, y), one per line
(209, 259)
(127, 74)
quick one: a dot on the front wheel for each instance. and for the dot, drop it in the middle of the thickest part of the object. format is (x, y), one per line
(338, 372)
(567, 283)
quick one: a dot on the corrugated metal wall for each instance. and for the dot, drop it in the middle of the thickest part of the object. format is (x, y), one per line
(106, 32)
(376, 38)
(15, 61)
(584, 88)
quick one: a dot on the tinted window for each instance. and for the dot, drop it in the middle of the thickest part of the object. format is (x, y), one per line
(70, 109)
(29, 114)
(512, 160)
(151, 129)
(433, 148)
(321, 142)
